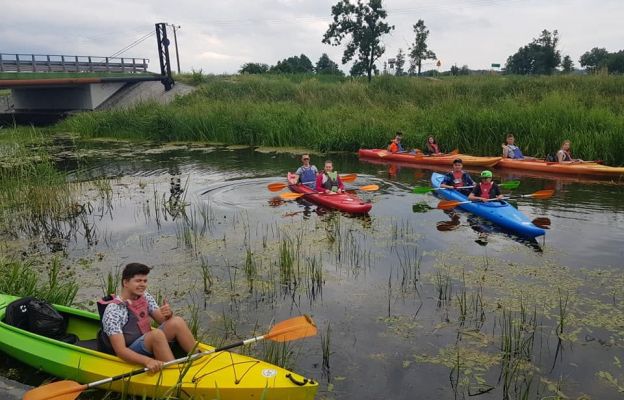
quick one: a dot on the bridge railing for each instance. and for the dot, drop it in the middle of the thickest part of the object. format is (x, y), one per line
(63, 63)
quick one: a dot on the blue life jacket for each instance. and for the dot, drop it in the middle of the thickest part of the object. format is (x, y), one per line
(516, 152)
(308, 176)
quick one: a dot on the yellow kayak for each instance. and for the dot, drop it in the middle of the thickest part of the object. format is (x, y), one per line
(221, 375)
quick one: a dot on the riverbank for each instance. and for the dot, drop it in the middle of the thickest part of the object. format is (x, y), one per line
(469, 113)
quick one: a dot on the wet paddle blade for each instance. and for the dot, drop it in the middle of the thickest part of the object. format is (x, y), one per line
(348, 177)
(422, 190)
(369, 188)
(510, 185)
(541, 194)
(276, 187)
(291, 196)
(448, 205)
(292, 329)
(542, 222)
(61, 390)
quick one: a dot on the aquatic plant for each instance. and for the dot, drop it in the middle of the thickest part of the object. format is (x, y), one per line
(470, 113)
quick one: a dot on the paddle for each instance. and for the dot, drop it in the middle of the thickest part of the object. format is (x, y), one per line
(285, 331)
(277, 186)
(294, 196)
(542, 222)
(540, 194)
(504, 185)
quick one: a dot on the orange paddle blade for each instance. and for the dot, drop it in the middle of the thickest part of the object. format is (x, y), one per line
(292, 329)
(454, 152)
(448, 205)
(276, 187)
(348, 177)
(61, 390)
(291, 196)
(542, 194)
(369, 188)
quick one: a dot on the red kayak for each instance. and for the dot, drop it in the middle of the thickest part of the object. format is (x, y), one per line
(346, 202)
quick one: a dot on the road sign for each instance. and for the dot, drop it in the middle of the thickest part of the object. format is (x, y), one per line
(495, 65)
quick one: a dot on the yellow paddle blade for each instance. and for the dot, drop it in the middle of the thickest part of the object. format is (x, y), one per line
(348, 177)
(542, 194)
(454, 152)
(369, 188)
(276, 186)
(61, 390)
(291, 196)
(292, 329)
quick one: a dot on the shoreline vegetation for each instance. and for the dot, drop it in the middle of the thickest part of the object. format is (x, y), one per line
(330, 113)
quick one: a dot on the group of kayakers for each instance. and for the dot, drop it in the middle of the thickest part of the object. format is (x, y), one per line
(326, 181)
(461, 180)
(510, 149)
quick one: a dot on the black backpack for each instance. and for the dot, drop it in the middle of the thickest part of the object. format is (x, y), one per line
(38, 317)
(550, 157)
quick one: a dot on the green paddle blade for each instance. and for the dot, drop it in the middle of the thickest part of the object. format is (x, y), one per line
(422, 190)
(509, 185)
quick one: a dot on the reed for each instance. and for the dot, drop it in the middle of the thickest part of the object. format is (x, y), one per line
(469, 113)
(21, 279)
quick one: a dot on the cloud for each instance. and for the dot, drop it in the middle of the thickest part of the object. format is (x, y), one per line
(220, 36)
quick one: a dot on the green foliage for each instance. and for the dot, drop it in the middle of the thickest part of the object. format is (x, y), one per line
(254, 68)
(464, 70)
(594, 59)
(22, 279)
(540, 57)
(567, 65)
(419, 51)
(400, 63)
(364, 24)
(330, 113)
(325, 66)
(293, 65)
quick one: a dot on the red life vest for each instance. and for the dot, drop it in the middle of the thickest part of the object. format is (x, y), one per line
(138, 321)
(485, 189)
(458, 179)
(436, 150)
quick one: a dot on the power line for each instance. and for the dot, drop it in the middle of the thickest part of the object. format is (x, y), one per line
(133, 44)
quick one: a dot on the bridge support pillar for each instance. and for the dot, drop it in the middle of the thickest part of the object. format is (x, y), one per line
(63, 98)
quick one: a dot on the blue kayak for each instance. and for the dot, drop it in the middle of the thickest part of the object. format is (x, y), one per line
(499, 212)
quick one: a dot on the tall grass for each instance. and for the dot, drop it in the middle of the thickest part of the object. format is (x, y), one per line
(23, 279)
(469, 113)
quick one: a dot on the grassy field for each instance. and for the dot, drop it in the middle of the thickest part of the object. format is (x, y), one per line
(331, 113)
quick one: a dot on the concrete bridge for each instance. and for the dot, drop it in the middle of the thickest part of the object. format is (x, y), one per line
(53, 85)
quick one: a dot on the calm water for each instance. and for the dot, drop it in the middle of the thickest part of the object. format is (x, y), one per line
(410, 311)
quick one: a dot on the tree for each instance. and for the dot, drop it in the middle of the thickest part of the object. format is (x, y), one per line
(363, 24)
(325, 66)
(419, 50)
(594, 59)
(538, 57)
(253, 68)
(293, 65)
(567, 65)
(464, 70)
(615, 62)
(400, 62)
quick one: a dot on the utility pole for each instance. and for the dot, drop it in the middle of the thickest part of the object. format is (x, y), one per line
(175, 40)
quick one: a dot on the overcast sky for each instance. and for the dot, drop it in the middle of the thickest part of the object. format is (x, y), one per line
(219, 36)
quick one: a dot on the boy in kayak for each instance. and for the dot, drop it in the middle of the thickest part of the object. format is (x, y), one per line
(510, 150)
(328, 181)
(486, 189)
(395, 145)
(306, 174)
(458, 178)
(126, 326)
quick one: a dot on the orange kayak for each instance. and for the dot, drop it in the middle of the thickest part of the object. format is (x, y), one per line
(585, 168)
(419, 158)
